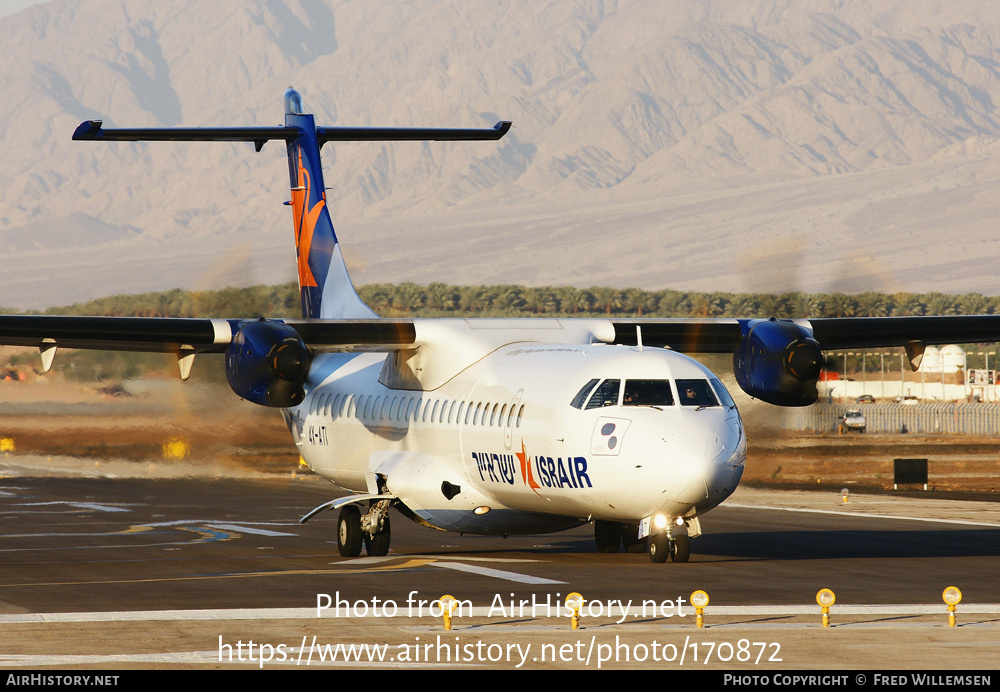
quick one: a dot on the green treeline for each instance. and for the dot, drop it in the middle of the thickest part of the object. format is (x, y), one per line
(443, 300)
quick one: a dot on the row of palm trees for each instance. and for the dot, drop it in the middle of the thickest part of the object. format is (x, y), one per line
(508, 300)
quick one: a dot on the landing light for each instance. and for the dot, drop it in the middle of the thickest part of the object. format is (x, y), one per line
(448, 604)
(952, 596)
(826, 598)
(660, 521)
(574, 602)
(699, 599)
(481, 509)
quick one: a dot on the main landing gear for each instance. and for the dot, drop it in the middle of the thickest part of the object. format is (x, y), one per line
(611, 535)
(372, 529)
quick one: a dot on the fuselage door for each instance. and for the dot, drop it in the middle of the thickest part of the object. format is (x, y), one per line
(508, 423)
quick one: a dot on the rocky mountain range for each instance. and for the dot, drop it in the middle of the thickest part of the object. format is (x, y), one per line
(765, 145)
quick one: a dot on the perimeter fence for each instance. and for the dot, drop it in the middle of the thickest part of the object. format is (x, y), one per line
(965, 419)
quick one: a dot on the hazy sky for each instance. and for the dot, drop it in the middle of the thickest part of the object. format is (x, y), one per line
(12, 6)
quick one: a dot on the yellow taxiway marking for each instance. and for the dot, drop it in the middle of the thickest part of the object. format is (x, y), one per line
(408, 565)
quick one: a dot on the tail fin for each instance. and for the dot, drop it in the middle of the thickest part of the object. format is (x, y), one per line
(324, 285)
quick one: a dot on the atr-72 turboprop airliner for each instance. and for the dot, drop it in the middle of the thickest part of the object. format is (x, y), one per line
(490, 426)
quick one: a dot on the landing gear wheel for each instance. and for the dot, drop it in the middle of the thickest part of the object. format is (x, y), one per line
(379, 543)
(349, 531)
(659, 547)
(681, 549)
(631, 540)
(608, 535)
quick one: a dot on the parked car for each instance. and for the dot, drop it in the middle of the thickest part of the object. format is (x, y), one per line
(853, 420)
(908, 400)
(866, 399)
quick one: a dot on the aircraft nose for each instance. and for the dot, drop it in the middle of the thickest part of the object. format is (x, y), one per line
(708, 461)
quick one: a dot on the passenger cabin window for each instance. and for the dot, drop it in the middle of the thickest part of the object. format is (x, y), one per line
(696, 393)
(605, 395)
(648, 393)
(582, 395)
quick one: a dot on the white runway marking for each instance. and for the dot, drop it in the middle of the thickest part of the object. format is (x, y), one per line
(89, 660)
(201, 657)
(258, 614)
(222, 526)
(243, 528)
(95, 506)
(866, 515)
(496, 573)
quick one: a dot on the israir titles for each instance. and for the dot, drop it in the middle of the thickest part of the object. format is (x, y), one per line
(537, 471)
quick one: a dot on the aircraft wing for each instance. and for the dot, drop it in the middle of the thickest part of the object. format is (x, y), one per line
(156, 334)
(777, 361)
(686, 336)
(153, 334)
(723, 335)
(780, 361)
(864, 332)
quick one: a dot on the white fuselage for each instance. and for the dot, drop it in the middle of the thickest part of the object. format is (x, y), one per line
(502, 434)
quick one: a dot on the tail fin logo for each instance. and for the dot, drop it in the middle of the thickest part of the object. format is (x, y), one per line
(305, 221)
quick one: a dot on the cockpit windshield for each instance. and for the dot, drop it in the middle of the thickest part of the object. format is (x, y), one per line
(723, 393)
(696, 393)
(606, 394)
(651, 393)
(582, 395)
(648, 393)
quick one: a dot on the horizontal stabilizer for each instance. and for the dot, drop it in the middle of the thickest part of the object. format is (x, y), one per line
(94, 130)
(434, 134)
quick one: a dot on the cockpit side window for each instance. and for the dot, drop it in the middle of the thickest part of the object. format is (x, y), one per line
(723, 393)
(582, 395)
(648, 393)
(605, 395)
(696, 393)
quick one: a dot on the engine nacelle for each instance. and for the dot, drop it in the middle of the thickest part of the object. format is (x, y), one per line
(778, 361)
(267, 363)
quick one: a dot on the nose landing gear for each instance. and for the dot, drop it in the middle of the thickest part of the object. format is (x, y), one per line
(610, 535)
(663, 547)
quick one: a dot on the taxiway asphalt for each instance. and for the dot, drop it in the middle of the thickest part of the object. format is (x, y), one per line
(135, 572)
